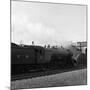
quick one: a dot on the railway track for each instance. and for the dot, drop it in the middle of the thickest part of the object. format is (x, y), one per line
(38, 73)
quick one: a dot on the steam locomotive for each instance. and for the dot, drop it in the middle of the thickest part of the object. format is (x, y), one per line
(26, 57)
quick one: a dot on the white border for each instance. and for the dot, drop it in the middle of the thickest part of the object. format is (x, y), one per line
(62, 1)
(5, 43)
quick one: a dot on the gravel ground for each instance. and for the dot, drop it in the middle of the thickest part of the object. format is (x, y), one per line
(78, 77)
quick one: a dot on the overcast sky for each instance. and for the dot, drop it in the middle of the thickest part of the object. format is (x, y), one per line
(46, 23)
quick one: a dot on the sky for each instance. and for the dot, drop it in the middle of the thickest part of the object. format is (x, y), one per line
(47, 23)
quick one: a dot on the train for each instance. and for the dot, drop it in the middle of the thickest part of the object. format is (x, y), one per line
(26, 57)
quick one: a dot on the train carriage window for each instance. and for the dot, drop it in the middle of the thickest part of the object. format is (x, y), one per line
(18, 56)
(26, 56)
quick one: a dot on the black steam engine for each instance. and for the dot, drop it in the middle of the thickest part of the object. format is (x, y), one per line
(25, 58)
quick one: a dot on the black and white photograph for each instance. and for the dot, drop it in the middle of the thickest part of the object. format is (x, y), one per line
(48, 44)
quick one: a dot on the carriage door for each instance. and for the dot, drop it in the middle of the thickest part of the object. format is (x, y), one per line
(39, 56)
